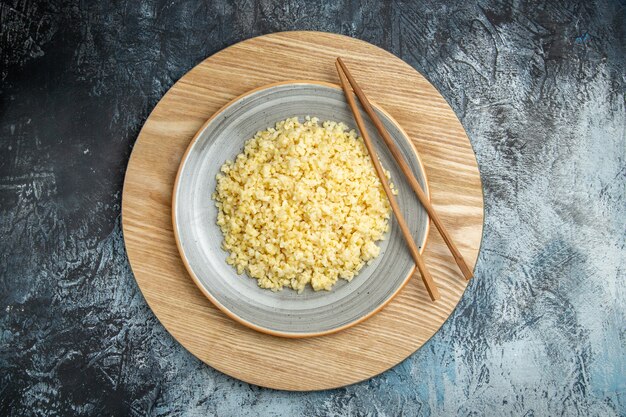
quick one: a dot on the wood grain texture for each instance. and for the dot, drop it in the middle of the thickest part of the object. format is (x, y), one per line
(330, 361)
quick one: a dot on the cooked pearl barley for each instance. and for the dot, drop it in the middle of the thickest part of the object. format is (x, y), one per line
(302, 204)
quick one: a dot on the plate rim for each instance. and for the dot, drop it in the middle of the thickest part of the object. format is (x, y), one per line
(210, 297)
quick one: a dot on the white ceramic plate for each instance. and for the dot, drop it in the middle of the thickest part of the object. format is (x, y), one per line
(287, 313)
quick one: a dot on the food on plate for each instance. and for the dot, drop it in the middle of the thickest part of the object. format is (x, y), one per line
(302, 204)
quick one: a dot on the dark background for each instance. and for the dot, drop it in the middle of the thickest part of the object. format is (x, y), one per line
(539, 87)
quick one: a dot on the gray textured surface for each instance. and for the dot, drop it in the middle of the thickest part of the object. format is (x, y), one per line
(539, 86)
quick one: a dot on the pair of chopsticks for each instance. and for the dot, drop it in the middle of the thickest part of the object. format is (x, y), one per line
(346, 77)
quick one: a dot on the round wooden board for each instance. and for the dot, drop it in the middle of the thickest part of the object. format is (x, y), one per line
(329, 361)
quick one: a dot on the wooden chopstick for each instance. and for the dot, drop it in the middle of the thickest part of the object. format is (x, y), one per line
(426, 277)
(465, 270)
